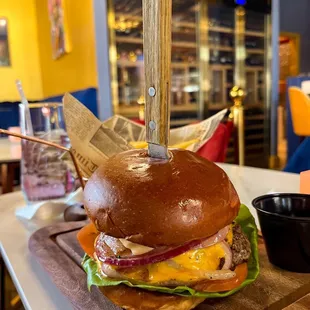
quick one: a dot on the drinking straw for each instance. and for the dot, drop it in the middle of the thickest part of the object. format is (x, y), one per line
(25, 103)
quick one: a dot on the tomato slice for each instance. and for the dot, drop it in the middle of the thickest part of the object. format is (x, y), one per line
(86, 237)
(225, 285)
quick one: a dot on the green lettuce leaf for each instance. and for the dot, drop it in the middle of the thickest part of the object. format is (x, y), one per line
(244, 219)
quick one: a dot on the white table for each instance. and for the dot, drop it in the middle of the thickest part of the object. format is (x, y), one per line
(32, 282)
(9, 151)
(10, 155)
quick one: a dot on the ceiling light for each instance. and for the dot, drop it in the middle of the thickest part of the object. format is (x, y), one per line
(2, 22)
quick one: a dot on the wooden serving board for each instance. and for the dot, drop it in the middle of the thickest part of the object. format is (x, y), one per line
(57, 250)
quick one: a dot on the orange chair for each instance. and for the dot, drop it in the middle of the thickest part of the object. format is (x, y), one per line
(300, 110)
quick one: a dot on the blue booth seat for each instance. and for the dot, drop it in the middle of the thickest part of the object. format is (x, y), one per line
(300, 160)
(87, 96)
(9, 112)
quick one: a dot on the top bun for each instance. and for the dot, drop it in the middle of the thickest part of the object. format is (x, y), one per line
(160, 202)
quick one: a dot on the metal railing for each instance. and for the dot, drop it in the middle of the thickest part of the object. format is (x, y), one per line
(237, 95)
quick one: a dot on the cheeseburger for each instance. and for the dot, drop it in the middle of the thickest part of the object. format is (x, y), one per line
(165, 234)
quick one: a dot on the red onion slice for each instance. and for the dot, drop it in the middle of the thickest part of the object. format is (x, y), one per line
(228, 255)
(219, 237)
(152, 257)
(159, 254)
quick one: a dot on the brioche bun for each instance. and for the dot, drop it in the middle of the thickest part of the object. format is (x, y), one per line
(160, 202)
(130, 298)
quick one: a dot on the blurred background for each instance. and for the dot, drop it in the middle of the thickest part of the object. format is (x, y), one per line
(94, 49)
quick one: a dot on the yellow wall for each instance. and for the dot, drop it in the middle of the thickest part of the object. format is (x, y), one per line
(24, 51)
(31, 51)
(76, 70)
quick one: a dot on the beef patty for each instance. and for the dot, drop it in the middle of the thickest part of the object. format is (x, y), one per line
(241, 247)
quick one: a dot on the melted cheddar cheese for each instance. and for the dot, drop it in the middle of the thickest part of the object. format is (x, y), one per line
(185, 267)
(181, 267)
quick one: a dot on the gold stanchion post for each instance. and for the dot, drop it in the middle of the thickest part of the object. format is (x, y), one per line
(141, 102)
(237, 95)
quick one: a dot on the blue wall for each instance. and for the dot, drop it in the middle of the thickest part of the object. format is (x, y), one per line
(295, 17)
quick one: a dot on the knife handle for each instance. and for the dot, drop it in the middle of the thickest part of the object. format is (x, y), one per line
(157, 63)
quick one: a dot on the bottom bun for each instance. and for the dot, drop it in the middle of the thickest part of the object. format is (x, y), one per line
(136, 299)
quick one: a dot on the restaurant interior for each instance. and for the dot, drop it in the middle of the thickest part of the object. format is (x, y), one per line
(249, 58)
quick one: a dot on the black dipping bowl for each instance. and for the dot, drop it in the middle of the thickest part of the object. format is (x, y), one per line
(285, 225)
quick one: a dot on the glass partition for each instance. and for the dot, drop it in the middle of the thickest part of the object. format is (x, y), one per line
(206, 46)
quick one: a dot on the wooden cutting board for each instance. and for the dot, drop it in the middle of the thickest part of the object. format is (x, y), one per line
(57, 250)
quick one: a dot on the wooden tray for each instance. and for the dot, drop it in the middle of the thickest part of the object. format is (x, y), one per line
(57, 250)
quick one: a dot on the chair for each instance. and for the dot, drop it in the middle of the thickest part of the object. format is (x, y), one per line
(300, 160)
(300, 110)
(8, 173)
(215, 149)
(138, 121)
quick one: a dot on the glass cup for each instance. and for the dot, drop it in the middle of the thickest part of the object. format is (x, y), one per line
(44, 175)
